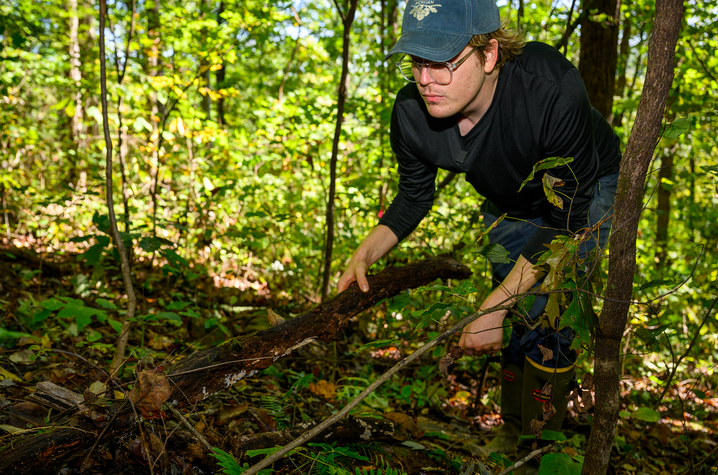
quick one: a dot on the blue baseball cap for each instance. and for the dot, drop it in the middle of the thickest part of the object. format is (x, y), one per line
(437, 30)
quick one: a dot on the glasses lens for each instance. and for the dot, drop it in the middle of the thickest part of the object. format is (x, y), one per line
(440, 73)
(406, 67)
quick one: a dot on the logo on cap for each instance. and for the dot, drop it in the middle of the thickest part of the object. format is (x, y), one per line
(423, 8)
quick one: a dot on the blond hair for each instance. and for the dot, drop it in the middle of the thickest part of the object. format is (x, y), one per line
(510, 44)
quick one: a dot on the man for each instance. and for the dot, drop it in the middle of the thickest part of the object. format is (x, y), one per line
(480, 102)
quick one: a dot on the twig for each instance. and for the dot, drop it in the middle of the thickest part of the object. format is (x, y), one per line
(97, 441)
(393, 370)
(533, 454)
(184, 421)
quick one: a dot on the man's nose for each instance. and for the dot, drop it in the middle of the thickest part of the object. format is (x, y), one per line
(425, 77)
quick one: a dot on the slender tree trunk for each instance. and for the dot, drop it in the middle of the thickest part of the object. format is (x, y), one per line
(76, 119)
(599, 52)
(219, 75)
(347, 20)
(665, 175)
(152, 9)
(207, 75)
(621, 68)
(622, 261)
(119, 356)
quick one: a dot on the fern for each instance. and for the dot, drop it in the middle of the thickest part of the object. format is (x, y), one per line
(229, 464)
(273, 406)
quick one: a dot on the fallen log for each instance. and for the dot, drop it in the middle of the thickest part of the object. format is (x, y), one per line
(215, 369)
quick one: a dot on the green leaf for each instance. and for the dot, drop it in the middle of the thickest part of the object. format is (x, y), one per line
(656, 283)
(559, 464)
(104, 303)
(52, 304)
(267, 451)
(41, 316)
(177, 305)
(553, 435)
(92, 335)
(677, 128)
(495, 253)
(167, 316)
(544, 165)
(117, 326)
(376, 344)
(5, 334)
(413, 445)
(646, 414)
(699, 393)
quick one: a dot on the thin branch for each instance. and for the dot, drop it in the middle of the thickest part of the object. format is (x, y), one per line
(184, 421)
(521, 462)
(370, 389)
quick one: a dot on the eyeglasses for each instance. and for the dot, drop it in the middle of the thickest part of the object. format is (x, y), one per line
(440, 72)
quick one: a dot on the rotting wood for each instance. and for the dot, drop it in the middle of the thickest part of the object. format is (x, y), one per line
(215, 369)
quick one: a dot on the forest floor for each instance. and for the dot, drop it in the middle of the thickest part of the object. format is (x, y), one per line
(440, 423)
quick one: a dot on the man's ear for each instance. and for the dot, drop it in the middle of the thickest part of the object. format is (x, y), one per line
(491, 53)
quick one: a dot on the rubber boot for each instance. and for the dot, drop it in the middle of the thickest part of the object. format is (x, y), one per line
(507, 436)
(536, 378)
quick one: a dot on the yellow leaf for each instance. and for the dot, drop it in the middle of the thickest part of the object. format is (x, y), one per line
(215, 67)
(274, 318)
(324, 389)
(5, 374)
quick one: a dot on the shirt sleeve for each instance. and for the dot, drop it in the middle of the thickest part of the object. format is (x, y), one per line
(568, 132)
(416, 183)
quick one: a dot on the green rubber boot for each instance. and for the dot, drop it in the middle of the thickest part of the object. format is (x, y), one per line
(536, 394)
(507, 436)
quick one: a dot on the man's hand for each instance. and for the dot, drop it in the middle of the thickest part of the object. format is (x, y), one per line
(372, 248)
(355, 272)
(484, 336)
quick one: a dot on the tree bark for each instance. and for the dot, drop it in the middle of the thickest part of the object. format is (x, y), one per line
(218, 368)
(347, 20)
(628, 205)
(598, 56)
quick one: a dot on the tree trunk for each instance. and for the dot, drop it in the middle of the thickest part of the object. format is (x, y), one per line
(597, 60)
(218, 368)
(347, 20)
(665, 176)
(622, 261)
(219, 75)
(621, 67)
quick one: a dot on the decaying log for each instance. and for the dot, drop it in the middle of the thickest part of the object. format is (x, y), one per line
(215, 369)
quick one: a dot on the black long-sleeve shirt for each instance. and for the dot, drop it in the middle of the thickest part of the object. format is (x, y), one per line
(540, 110)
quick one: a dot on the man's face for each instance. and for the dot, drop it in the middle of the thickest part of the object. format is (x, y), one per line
(465, 94)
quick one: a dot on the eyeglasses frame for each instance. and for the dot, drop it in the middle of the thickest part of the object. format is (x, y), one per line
(450, 66)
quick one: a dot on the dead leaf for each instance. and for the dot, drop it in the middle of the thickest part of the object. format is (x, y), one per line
(549, 183)
(537, 427)
(22, 357)
(548, 410)
(455, 352)
(229, 413)
(274, 318)
(151, 390)
(324, 389)
(546, 353)
(406, 422)
(264, 420)
(24, 413)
